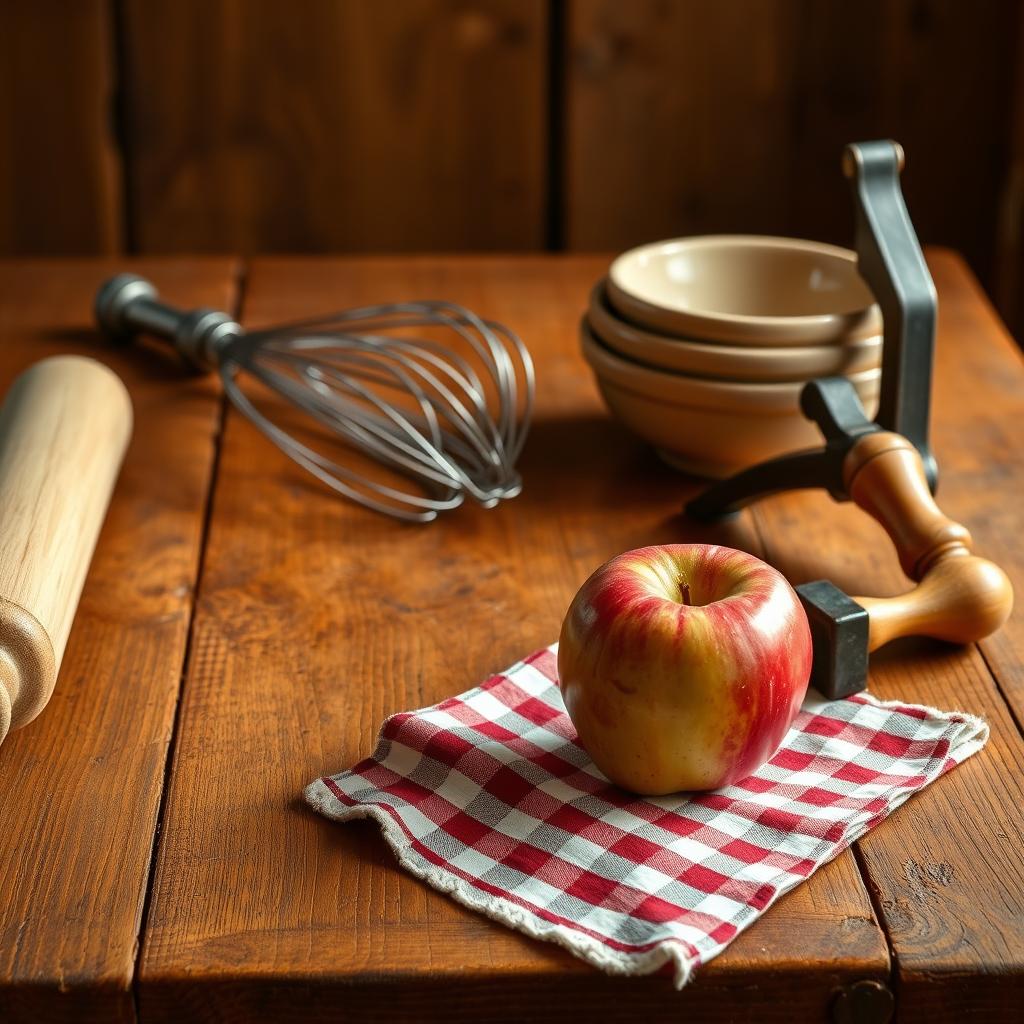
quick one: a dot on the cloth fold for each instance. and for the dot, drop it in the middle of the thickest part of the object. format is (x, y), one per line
(489, 797)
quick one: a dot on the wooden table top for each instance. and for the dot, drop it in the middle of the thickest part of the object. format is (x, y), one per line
(242, 631)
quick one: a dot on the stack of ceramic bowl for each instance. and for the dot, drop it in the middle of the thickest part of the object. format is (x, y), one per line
(702, 345)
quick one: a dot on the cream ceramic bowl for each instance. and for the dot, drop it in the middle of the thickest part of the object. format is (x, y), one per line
(750, 363)
(709, 427)
(746, 290)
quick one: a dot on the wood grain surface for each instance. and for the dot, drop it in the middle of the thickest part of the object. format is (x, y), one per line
(259, 126)
(979, 434)
(81, 785)
(316, 619)
(321, 126)
(907, 70)
(648, 154)
(689, 117)
(60, 176)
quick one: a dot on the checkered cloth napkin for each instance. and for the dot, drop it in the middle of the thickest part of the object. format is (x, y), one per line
(490, 798)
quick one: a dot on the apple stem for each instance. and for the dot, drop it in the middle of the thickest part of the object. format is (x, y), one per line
(685, 588)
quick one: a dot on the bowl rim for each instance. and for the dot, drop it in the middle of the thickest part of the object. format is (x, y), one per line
(859, 321)
(779, 397)
(636, 334)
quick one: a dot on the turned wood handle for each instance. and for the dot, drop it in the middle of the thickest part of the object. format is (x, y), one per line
(959, 596)
(64, 427)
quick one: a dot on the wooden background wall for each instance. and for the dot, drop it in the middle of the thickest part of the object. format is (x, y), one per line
(326, 125)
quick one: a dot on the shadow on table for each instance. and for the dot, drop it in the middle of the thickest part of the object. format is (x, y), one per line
(147, 358)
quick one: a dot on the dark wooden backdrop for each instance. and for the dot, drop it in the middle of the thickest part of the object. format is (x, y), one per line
(356, 125)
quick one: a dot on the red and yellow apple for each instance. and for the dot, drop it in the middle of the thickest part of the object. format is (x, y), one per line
(683, 666)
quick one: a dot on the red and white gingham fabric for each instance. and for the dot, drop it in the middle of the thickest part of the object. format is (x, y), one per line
(490, 798)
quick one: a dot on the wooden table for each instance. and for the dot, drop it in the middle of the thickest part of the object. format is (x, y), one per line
(242, 631)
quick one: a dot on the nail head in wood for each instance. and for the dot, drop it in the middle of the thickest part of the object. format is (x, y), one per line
(864, 1002)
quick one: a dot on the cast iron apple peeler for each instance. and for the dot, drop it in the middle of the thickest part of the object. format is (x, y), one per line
(885, 466)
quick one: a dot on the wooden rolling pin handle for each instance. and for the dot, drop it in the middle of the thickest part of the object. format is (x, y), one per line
(960, 597)
(64, 427)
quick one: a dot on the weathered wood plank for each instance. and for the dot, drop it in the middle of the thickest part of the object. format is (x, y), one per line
(416, 124)
(687, 117)
(908, 70)
(677, 119)
(60, 174)
(1009, 251)
(979, 435)
(80, 786)
(316, 619)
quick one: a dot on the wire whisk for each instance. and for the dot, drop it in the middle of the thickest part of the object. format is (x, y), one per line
(450, 417)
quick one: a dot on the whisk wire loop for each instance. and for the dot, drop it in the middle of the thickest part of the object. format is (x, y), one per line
(450, 418)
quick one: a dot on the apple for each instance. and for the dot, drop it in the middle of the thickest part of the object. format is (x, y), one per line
(682, 666)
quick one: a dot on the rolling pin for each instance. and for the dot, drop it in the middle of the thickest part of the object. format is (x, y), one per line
(64, 427)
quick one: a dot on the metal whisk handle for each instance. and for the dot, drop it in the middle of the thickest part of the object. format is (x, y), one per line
(128, 304)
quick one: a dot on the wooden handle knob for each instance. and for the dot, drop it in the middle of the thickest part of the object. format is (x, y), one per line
(960, 597)
(64, 427)
(884, 475)
(959, 600)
